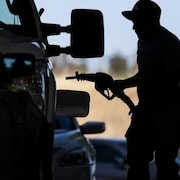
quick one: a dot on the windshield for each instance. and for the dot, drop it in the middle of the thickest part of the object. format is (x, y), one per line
(19, 16)
(6, 16)
(64, 123)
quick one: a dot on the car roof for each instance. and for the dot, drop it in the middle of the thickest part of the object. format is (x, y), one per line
(116, 143)
(108, 140)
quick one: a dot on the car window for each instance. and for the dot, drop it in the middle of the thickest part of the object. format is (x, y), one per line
(123, 147)
(64, 122)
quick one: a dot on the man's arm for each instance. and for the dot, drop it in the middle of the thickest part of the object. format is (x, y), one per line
(126, 83)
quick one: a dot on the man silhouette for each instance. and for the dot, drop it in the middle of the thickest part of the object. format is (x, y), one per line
(155, 125)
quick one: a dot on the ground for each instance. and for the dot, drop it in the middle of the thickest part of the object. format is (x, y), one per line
(114, 112)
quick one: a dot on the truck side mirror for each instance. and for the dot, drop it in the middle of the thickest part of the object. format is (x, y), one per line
(87, 35)
(72, 103)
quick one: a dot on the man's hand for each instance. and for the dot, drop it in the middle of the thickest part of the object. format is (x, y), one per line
(103, 83)
(117, 86)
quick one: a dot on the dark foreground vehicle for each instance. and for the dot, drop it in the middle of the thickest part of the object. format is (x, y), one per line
(23, 34)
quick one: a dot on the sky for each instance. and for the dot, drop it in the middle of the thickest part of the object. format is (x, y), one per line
(119, 36)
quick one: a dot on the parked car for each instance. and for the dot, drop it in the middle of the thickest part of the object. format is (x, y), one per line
(74, 157)
(111, 161)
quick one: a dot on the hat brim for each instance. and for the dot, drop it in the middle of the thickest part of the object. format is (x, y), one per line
(128, 15)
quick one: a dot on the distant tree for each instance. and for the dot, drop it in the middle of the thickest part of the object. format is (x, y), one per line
(81, 65)
(65, 64)
(118, 65)
(75, 65)
(60, 63)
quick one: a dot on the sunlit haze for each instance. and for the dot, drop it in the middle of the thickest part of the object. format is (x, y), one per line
(119, 36)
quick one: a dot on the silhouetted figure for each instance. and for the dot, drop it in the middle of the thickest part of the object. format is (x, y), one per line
(155, 127)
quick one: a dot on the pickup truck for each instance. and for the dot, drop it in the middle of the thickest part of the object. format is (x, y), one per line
(22, 34)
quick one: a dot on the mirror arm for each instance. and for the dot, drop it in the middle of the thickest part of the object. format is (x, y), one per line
(56, 50)
(66, 50)
(66, 29)
(55, 29)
